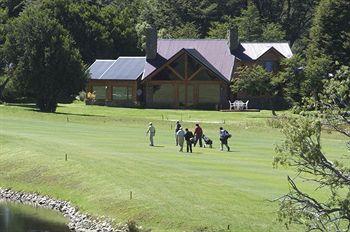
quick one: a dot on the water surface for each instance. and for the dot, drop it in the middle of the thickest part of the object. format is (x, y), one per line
(22, 218)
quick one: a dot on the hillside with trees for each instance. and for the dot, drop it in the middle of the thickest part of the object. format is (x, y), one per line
(317, 30)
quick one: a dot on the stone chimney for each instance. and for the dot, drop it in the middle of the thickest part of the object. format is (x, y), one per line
(233, 40)
(151, 43)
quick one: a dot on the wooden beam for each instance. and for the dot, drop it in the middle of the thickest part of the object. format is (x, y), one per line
(196, 72)
(186, 66)
(174, 71)
(155, 72)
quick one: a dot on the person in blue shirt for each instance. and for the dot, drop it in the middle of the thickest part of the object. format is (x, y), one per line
(224, 136)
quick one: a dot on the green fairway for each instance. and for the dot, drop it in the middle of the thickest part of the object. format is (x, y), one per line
(109, 156)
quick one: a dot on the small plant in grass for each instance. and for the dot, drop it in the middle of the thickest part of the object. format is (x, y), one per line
(81, 96)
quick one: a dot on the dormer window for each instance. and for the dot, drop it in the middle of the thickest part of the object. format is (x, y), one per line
(271, 66)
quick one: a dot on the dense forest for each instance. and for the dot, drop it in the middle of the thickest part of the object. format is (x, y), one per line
(43, 43)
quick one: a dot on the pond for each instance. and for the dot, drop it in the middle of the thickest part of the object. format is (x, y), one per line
(22, 218)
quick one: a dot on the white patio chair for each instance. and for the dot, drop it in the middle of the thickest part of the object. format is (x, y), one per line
(246, 104)
(232, 104)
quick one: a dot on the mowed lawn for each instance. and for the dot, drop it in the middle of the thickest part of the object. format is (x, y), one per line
(109, 156)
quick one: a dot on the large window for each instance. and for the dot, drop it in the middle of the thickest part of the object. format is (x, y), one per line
(166, 75)
(205, 75)
(100, 92)
(209, 93)
(163, 94)
(179, 65)
(122, 93)
(193, 66)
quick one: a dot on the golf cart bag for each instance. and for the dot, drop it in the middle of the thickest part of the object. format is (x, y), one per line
(207, 141)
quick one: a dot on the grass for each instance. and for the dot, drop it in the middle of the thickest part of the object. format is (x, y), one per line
(109, 156)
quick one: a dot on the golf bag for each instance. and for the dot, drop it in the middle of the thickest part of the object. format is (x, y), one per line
(207, 141)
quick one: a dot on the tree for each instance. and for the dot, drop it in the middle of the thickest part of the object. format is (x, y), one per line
(84, 22)
(249, 24)
(46, 62)
(263, 32)
(218, 30)
(186, 31)
(273, 32)
(330, 32)
(292, 75)
(302, 150)
(316, 71)
(256, 81)
(293, 15)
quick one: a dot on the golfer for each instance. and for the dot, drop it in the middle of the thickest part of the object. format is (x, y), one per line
(189, 140)
(224, 136)
(152, 132)
(181, 138)
(177, 128)
(198, 133)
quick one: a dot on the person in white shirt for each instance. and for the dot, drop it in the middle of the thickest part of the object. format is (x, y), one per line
(180, 138)
(152, 132)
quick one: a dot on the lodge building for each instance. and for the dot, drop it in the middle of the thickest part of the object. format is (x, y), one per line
(180, 73)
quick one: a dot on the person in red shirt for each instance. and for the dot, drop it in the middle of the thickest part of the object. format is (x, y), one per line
(198, 133)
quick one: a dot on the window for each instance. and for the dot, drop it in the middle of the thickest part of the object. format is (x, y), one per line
(100, 92)
(163, 93)
(179, 65)
(270, 66)
(204, 75)
(192, 66)
(122, 93)
(165, 75)
(209, 93)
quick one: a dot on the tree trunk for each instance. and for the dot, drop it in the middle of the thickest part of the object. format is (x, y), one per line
(272, 105)
(48, 105)
(2, 87)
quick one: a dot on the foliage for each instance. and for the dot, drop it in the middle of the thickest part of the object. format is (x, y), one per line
(302, 150)
(256, 81)
(186, 31)
(251, 27)
(330, 32)
(316, 71)
(141, 29)
(249, 24)
(293, 15)
(293, 76)
(47, 65)
(99, 31)
(273, 32)
(218, 30)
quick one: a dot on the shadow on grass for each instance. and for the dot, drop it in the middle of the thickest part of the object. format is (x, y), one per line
(32, 107)
(83, 115)
(24, 105)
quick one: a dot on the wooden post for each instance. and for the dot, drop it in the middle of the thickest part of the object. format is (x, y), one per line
(66, 157)
(130, 195)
